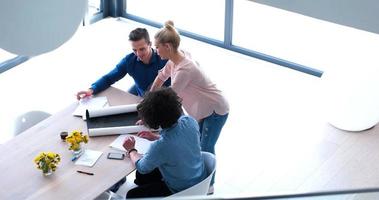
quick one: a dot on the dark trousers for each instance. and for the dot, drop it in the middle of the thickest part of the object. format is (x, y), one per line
(149, 185)
(116, 186)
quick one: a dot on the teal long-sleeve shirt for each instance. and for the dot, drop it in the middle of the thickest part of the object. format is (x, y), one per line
(177, 155)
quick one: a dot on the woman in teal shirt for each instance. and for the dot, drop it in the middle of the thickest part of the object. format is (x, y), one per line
(173, 163)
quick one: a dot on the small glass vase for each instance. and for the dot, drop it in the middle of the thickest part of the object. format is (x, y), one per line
(77, 151)
(47, 172)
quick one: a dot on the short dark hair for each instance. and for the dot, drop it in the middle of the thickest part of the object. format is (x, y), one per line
(161, 108)
(138, 34)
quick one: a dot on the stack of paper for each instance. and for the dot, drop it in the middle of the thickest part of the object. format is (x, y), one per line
(90, 103)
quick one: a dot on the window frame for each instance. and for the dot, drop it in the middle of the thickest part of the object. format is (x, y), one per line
(227, 43)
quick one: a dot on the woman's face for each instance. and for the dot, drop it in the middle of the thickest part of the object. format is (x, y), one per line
(162, 49)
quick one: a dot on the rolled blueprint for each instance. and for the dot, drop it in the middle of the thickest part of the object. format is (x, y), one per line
(112, 110)
(116, 130)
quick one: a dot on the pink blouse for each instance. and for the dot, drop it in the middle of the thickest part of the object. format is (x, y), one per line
(200, 96)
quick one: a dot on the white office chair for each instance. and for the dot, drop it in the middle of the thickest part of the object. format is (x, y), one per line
(198, 189)
(28, 120)
(202, 187)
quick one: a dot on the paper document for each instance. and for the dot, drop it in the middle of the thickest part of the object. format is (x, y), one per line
(142, 145)
(112, 110)
(90, 103)
(113, 120)
(117, 130)
(88, 158)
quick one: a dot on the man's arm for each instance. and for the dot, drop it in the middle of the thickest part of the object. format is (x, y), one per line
(107, 80)
(84, 94)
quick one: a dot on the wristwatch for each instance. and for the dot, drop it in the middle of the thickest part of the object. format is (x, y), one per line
(131, 150)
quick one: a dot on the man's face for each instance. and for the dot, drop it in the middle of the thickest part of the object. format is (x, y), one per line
(142, 50)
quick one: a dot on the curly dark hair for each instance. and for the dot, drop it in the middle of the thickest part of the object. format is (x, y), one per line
(161, 108)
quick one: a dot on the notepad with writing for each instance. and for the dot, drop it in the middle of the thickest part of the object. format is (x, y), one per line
(88, 158)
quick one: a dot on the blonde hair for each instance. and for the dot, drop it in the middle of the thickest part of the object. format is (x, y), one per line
(168, 34)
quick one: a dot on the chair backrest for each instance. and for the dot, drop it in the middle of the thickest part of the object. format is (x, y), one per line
(28, 120)
(202, 187)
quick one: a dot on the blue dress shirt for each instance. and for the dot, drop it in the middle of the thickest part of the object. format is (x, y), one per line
(177, 155)
(143, 74)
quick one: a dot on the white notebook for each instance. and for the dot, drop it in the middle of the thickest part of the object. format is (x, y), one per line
(142, 145)
(88, 158)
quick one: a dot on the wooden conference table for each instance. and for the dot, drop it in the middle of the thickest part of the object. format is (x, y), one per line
(20, 179)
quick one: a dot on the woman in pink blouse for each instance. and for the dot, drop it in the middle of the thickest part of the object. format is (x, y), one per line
(201, 99)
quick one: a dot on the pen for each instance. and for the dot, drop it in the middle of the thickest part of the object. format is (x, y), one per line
(76, 157)
(88, 173)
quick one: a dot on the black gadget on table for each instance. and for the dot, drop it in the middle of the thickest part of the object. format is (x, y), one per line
(116, 156)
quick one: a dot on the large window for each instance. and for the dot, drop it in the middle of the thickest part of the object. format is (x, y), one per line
(212, 21)
(94, 7)
(197, 16)
(94, 12)
(280, 33)
(305, 40)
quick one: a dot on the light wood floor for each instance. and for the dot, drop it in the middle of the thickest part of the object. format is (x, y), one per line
(276, 140)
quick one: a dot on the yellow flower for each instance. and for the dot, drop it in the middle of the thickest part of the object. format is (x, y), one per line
(75, 138)
(47, 160)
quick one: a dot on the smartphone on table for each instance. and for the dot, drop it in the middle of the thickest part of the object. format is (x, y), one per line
(116, 156)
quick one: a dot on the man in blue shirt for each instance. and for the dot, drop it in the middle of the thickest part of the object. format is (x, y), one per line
(143, 65)
(173, 162)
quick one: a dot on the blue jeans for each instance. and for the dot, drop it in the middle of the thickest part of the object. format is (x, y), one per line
(210, 129)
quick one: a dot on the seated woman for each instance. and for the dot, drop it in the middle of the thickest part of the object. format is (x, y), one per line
(173, 163)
